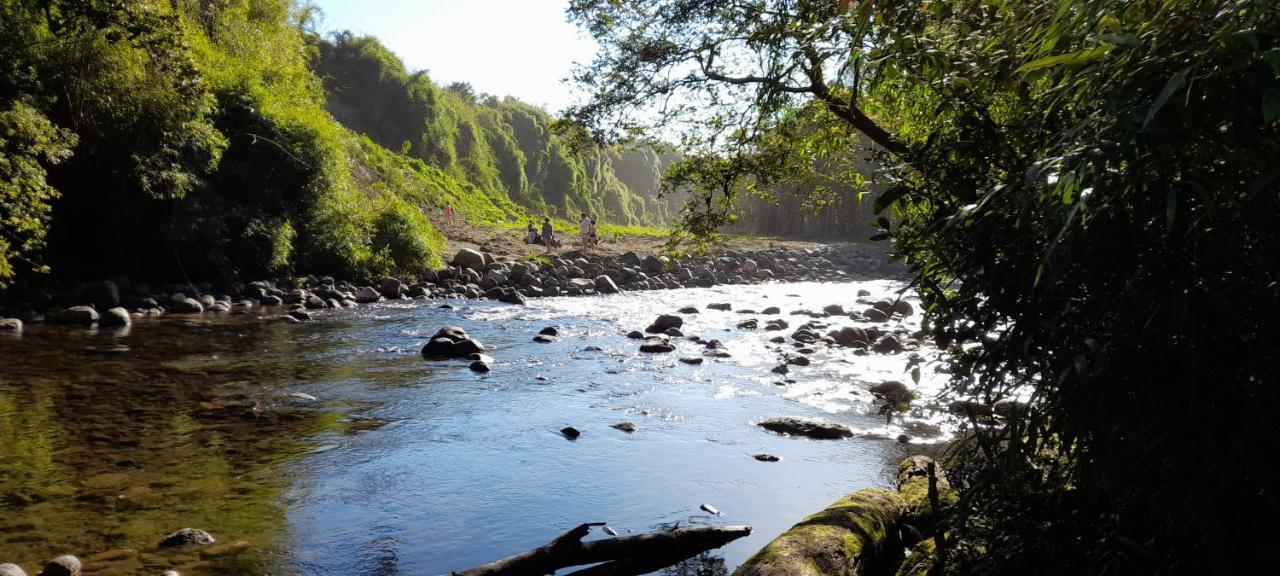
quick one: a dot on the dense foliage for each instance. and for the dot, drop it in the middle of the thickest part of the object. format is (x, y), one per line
(185, 138)
(504, 152)
(1086, 192)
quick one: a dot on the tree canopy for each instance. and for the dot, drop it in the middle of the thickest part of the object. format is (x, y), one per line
(1086, 194)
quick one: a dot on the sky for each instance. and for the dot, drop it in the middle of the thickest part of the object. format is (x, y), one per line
(521, 48)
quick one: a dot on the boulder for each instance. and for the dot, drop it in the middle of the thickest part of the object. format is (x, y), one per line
(771, 310)
(892, 390)
(903, 308)
(751, 324)
(766, 458)
(468, 258)
(657, 345)
(10, 325)
(391, 288)
(570, 432)
(887, 344)
(605, 285)
(451, 342)
(549, 331)
(874, 315)
(544, 339)
(693, 360)
(513, 298)
(102, 295)
(65, 565)
(688, 310)
(807, 427)
(850, 335)
(115, 317)
(833, 310)
(79, 315)
(187, 537)
(12, 570)
(635, 335)
(723, 307)
(652, 264)
(664, 322)
(480, 366)
(367, 295)
(438, 347)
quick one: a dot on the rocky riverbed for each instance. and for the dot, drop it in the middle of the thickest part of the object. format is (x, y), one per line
(348, 445)
(116, 302)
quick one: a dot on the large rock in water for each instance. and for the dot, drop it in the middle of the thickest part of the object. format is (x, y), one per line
(115, 317)
(468, 258)
(657, 345)
(605, 285)
(451, 342)
(664, 322)
(82, 315)
(810, 428)
(367, 295)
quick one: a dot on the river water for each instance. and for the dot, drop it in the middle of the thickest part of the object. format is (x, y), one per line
(332, 447)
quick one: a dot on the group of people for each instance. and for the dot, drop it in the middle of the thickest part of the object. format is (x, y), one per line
(547, 236)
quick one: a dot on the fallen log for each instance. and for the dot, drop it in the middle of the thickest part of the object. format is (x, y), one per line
(568, 549)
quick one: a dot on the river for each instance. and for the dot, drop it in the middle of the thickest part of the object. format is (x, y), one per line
(333, 447)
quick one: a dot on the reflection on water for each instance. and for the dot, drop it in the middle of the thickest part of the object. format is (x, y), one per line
(333, 448)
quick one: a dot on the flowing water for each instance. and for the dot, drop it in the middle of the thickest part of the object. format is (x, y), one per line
(332, 447)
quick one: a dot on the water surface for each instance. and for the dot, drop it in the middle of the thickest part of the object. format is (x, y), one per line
(334, 448)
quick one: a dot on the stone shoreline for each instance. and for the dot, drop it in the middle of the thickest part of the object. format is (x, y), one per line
(472, 274)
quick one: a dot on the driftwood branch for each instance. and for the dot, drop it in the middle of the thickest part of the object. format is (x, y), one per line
(624, 555)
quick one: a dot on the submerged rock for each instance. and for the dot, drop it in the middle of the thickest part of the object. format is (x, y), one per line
(549, 331)
(721, 307)
(570, 432)
(624, 426)
(694, 360)
(810, 428)
(480, 366)
(187, 537)
(766, 458)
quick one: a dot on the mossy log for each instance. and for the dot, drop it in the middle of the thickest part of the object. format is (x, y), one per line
(842, 540)
(858, 534)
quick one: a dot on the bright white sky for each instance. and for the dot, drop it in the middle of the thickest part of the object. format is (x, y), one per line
(521, 48)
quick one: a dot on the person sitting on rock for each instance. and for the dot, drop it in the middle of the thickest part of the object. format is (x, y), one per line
(548, 234)
(530, 234)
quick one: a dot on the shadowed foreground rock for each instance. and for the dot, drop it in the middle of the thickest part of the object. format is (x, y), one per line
(858, 534)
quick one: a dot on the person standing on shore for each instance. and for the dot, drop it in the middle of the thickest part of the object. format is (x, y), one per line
(584, 231)
(548, 234)
(448, 212)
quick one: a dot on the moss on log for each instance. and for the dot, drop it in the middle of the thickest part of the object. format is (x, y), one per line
(842, 540)
(859, 534)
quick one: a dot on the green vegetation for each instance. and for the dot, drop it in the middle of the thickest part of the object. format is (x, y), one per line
(1086, 192)
(185, 138)
(507, 156)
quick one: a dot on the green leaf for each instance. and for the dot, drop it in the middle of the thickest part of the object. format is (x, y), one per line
(887, 198)
(1072, 58)
(1170, 88)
